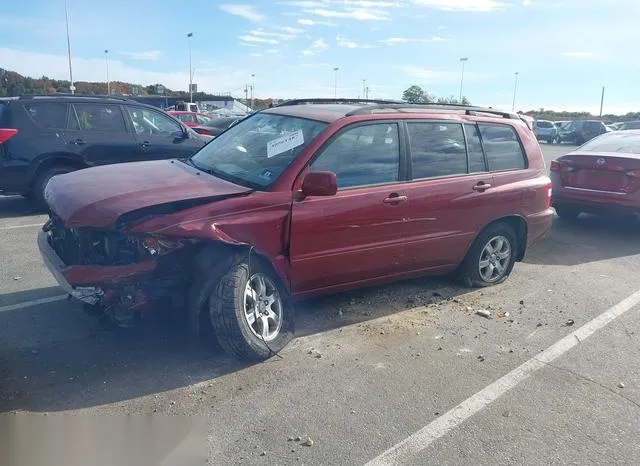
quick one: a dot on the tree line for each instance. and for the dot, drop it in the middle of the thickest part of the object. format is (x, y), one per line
(416, 95)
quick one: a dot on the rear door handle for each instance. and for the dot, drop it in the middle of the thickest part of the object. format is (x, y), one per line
(395, 199)
(145, 144)
(481, 186)
(77, 142)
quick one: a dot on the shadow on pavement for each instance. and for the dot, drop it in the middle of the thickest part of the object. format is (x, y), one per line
(18, 206)
(589, 238)
(53, 357)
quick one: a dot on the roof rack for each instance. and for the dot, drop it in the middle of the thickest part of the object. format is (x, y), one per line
(407, 107)
(336, 101)
(63, 94)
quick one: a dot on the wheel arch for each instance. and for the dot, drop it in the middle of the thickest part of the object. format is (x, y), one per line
(55, 159)
(519, 226)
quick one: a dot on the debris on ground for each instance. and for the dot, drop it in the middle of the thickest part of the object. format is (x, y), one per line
(480, 358)
(381, 332)
(319, 355)
(290, 439)
(502, 314)
(264, 453)
(17, 278)
(506, 414)
(340, 312)
(569, 323)
(484, 313)
(620, 385)
(308, 442)
(522, 302)
(298, 438)
(539, 324)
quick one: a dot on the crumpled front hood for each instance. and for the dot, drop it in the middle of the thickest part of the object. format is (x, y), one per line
(97, 197)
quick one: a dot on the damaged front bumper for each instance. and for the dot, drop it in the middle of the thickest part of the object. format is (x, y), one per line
(87, 282)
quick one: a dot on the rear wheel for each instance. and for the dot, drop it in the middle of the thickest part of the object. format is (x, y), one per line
(250, 312)
(491, 258)
(41, 181)
(567, 213)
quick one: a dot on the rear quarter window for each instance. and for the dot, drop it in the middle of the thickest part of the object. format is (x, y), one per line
(49, 115)
(502, 147)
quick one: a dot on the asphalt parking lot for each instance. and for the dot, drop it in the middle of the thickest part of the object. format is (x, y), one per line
(405, 373)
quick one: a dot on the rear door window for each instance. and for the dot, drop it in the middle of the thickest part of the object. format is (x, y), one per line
(49, 115)
(502, 147)
(437, 149)
(100, 117)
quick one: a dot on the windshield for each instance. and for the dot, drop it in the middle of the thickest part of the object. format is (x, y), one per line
(614, 142)
(258, 149)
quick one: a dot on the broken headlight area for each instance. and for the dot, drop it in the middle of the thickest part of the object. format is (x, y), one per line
(78, 246)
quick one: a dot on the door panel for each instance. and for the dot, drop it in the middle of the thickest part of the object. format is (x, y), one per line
(357, 234)
(158, 135)
(97, 133)
(447, 207)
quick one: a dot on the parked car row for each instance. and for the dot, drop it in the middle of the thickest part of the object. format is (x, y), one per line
(299, 200)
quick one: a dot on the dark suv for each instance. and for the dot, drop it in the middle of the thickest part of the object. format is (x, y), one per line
(580, 131)
(43, 136)
(295, 201)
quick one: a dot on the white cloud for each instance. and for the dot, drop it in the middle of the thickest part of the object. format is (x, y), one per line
(273, 51)
(462, 5)
(151, 55)
(245, 11)
(359, 14)
(256, 39)
(578, 54)
(349, 44)
(290, 30)
(526, 2)
(316, 47)
(311, 22)
(407, 40)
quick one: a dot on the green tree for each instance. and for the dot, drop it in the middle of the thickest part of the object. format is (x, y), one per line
(414, 95)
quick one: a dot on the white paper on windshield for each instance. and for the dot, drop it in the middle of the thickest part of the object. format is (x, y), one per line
(285, 143)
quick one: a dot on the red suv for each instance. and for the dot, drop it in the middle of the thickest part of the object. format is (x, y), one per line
(299, 200)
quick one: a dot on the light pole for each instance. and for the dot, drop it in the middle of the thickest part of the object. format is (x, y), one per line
(253, 85)
(189, 36)
(463, 60)
(335, 82)
(515, 89)
(364, 88)
(72, 88)
(106, 60)
(601, 101)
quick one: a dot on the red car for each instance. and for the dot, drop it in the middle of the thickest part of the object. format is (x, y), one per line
(191, 119)
(601, 176)
(296, 201)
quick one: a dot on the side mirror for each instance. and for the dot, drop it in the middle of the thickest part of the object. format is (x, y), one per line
(320, 184)
(180, 135)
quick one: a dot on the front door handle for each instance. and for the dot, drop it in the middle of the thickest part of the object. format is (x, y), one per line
(481, 186)
(145, 144)
(395, 199)
(77, 142)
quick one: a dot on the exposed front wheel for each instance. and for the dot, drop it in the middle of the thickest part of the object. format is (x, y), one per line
(491, 258)
(41, 183)
(250, 312)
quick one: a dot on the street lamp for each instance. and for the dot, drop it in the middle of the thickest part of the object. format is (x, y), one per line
(253, 85)
(515, 89)
(72, 88)
(189, 36)
(364, 88)
(463, 60)
(106, 60)
(335, 82)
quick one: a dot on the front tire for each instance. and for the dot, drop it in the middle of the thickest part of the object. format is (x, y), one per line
(491, 257)
(41, 183)
(251, 315)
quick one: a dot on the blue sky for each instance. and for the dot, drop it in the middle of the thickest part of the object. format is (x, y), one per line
(563, 50)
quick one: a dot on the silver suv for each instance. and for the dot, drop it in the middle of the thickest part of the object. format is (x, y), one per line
(546, 131)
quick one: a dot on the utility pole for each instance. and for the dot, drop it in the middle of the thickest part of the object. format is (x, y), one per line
(246, 94)
(106, 60)
(335, 82)
(189, 36)
(72, 88)
(366, 93)
(253, 84)
(601, 101)
(515, 89)
(463, 60)
(364, 89)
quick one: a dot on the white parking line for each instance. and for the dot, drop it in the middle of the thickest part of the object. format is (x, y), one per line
(29, 225)
(417, 442)
(34, 302)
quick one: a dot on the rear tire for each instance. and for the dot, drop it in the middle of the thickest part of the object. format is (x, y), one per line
(251, 320)
(567, 213)
(41, 181)
(491, 257)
